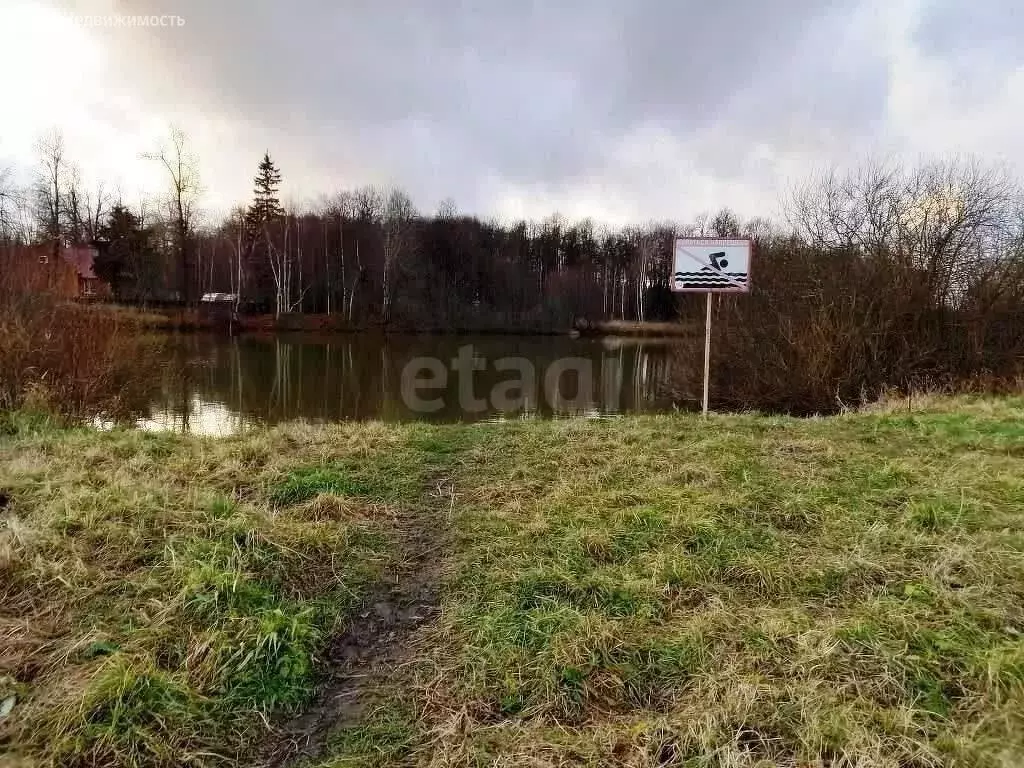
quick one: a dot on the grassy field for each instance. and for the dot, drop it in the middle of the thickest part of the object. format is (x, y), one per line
(650, 591)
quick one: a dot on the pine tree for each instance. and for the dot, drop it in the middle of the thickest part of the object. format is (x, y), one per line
(265, 206)
(126, 259)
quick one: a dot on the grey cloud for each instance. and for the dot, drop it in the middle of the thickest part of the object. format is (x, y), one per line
(990, 27)
(457, 98)
(976, 43)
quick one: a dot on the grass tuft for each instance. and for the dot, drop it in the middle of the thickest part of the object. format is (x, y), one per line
(305, 483)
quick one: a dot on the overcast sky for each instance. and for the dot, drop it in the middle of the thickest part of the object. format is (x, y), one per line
(625, 110)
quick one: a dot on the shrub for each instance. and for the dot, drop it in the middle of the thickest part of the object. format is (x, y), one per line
(73, 359)
(892, 280)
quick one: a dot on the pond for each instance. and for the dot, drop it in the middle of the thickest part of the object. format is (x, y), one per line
(222, 385)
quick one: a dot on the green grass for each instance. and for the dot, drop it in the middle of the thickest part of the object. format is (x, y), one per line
(386, 736)
(753, 591)
(162, 595)
(650, 591)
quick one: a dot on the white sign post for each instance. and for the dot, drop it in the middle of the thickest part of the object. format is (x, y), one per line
(710, 265)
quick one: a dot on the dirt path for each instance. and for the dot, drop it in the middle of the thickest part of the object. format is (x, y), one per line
(376, 642)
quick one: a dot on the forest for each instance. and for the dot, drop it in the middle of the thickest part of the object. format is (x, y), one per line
(366, 255)
(883, 276)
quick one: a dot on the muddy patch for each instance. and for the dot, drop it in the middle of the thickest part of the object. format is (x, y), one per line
(374, 644)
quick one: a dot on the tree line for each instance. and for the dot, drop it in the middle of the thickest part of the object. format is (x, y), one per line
(884, 276)
(365, 256)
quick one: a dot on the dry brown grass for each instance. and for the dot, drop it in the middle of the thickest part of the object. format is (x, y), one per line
(75, 360)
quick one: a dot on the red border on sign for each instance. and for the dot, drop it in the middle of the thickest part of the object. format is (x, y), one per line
(713, 241)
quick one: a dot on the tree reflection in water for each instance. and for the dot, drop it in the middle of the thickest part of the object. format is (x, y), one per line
(221, 385)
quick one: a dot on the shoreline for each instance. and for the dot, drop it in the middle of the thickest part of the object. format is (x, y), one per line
(223, 322)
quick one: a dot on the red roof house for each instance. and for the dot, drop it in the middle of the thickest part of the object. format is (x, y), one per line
(32, 269)
(82, 258)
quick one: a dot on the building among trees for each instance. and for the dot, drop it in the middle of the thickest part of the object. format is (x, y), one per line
(71, 275)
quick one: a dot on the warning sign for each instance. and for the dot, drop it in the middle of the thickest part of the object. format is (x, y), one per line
(711, 265)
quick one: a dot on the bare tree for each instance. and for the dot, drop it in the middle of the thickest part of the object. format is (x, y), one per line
(83, 210)
(399, 215)
(725, 224)
(937, 223)
(355, 284)
(182, 168)
(348, 207)
(50, 180)
(447, 210)
(280, 259)
(646, 253)
(236, 232)
(701, 225)
(15, 216)
(285, 256)
(758, 228)
(369, 204)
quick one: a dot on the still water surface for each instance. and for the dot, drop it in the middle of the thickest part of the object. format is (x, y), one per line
(222, 385)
